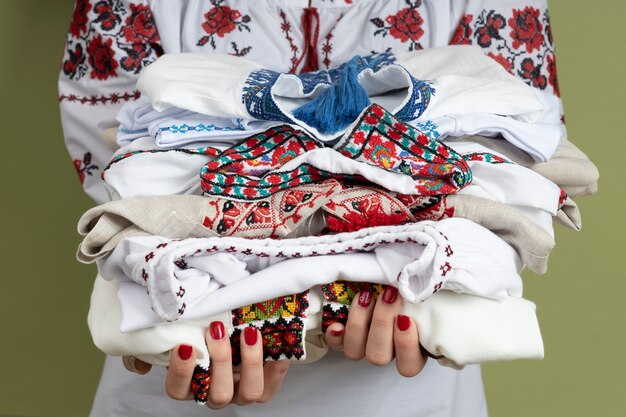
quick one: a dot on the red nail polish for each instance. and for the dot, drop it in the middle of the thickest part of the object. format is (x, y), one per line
(403, 322)
(217, 330)
(390, 295)
(337, 332)
(250, 334)
(184, 352)
(365, 298)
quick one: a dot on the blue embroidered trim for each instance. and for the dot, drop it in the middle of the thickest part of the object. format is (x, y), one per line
(185, 128)
(429, 129)
(257, 95)
(418, 102)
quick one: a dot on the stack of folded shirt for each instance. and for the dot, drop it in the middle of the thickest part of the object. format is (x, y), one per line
(270, 200)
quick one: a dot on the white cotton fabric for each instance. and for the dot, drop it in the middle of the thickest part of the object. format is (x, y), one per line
(464, 78)
(454, 254)
(174, 127)
(465, 329)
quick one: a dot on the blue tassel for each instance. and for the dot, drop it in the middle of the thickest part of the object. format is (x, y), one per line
(338, 106)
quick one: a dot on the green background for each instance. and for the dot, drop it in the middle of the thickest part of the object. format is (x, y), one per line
(48, 366)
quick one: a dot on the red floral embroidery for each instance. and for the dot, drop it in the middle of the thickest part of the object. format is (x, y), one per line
(520, 40)
(99, 44)
(532, 73)
(405, 25)
(101, 58)
(140, 27)
(490, 29)
(220, 21)
(502, 60)
(552, 78)
(79, 18)
(526, 29)
(463, 33)
(106, 16)
(84, 167)
(76, 60)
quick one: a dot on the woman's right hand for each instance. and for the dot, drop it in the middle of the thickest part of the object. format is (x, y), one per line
(252, 382)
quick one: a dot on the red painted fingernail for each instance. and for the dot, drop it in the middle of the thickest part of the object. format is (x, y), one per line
(390, 295)
(336, 332)
(184, 352)
(217, 330)
(365, 298)
(403, 322)
(250, 334)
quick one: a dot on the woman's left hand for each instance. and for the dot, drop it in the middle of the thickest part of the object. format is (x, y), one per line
(376, 331)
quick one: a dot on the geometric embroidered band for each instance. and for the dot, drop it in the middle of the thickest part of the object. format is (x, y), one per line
(405, 161)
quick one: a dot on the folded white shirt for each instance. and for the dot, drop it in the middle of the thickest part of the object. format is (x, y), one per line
(175, 127)
(190, 279)
(460, 80)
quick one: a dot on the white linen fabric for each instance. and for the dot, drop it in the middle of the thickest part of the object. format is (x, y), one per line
(462, 329)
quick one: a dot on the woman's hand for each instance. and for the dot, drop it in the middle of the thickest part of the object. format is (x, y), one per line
(376, 331)
(251, 382)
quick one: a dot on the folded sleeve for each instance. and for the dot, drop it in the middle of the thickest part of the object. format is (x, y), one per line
(108, 45)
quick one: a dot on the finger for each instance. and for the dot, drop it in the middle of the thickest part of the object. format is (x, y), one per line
(358, 325)
(379, 347)
(221, 388)
(251, 382)
(334, 336)
(179, 373)
(274, 375)
(409, 358)
(135, 365)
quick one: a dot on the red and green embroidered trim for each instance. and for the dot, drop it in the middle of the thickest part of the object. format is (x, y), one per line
(251, 170)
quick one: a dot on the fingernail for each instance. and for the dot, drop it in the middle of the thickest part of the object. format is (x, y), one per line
(217, 330)
(184, 352)
(365, 298)
(249, 335)
(336, 332)
(390, 295)
(403, 322)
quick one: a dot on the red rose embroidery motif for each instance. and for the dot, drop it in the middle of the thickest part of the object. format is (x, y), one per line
(490, 28)
(102, 58)
(406, 25)
(463, 33)
(220, 21)
(139, 26)
(106, 17)
(526, 29)
(532, 73)
(502, 60)
(552, 78)
(79, 18)
(112, 36)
